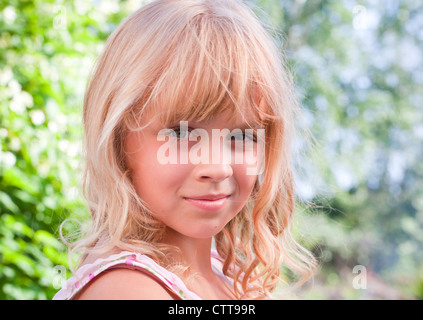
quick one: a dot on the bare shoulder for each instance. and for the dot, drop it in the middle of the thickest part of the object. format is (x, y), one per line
(124, 284)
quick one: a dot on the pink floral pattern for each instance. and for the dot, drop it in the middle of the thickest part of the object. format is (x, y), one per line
(89, 271)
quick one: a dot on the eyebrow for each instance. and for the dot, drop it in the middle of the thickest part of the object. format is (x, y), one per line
(253, 124)
(245, 125)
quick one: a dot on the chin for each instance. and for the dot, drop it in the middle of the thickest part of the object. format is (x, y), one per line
(205, 232)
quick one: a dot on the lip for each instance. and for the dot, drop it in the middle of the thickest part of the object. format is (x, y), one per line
(210, 196)
(208, 202)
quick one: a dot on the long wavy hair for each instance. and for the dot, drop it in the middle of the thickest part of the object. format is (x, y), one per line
(193, 59)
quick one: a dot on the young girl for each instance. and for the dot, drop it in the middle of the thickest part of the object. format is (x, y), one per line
(194, 226)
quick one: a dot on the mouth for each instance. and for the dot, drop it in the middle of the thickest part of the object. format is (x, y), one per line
(210, 196)
(208, 202)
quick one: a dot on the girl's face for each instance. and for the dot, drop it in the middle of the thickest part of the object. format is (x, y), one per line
(179, 194)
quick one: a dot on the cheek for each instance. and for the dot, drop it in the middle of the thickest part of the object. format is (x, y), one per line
(245, 180)
(253, 158)
(153, 180)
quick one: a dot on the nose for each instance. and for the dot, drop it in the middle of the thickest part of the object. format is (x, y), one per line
(215, 172)
(217, 165)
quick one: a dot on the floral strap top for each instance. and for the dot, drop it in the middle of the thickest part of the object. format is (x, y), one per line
(131, 260)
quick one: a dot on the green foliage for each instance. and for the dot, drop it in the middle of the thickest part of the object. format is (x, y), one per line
(358, 69)
(46, 50)
(359, 73)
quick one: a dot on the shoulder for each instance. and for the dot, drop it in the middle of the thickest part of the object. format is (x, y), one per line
(124, 284)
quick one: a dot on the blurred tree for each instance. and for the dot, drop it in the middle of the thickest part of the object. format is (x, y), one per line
(359, 71)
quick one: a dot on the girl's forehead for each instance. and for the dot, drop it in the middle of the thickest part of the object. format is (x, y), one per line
(164, 112)
(239, 121)
(228, 118)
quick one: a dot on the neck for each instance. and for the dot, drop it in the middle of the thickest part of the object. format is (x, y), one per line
(196, 252)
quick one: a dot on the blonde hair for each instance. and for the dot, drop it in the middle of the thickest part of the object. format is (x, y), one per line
(194, 59)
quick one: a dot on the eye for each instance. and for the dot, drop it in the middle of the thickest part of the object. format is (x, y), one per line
(178, 133)
(244, 136)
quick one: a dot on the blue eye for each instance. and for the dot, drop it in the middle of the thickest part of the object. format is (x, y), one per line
(244, 137)
(184, 133)
(178, 133)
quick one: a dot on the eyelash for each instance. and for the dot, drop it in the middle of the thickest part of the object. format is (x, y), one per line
(177, 129)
